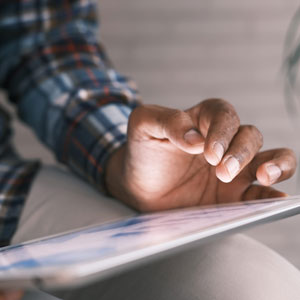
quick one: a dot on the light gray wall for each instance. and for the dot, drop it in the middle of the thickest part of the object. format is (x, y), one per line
(181, 52)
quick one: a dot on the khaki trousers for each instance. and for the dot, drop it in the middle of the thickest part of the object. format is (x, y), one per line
(232, 268)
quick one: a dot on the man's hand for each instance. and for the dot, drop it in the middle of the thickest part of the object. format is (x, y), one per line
(199, 156)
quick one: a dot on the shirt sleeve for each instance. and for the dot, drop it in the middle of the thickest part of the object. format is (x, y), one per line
(58, 74)
(16, 176)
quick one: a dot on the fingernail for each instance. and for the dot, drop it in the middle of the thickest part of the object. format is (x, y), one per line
(193, 137)
(219, 152)
(274, 173)
(233, 166)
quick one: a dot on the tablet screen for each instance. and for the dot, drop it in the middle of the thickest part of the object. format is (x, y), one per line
(101, 247)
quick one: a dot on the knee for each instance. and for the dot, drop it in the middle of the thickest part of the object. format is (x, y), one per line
(234, 268)
(240, 268)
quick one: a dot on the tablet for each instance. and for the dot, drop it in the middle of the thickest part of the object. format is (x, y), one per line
(93, 253)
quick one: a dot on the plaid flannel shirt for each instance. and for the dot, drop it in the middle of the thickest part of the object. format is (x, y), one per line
(59, 77)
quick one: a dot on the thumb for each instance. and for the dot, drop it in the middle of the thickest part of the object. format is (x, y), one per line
(152, 121)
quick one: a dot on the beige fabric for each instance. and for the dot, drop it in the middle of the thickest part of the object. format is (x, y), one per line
(59, 201)
(234, 268)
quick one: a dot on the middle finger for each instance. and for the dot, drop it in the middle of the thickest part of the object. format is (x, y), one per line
(241, 151)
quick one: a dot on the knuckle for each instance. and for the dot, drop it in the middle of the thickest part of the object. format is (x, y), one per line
(254, 132)
(175, 118)
(139, 115)
(221, 111)
(227, 111)
(216, 102)
(230, 116)
(290, 155)
(250, 128)
(244, 154)
(176, 114)
(136, 113)
(136, 121)
(290, 152)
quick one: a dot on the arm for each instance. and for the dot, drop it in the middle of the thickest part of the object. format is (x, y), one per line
(64, 86)
(66, 89)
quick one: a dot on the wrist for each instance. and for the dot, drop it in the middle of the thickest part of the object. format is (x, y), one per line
(116, 178)
(113, 177)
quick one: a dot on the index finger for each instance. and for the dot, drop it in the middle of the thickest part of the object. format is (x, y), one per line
(218, 123)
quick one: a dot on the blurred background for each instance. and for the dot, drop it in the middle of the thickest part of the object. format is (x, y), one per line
(181, 52)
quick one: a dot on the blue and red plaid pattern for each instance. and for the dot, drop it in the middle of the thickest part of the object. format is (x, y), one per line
(16, 176)
(57, 73)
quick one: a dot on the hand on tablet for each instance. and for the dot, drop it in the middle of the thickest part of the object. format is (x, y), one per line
(11, 295)
(199, 156)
